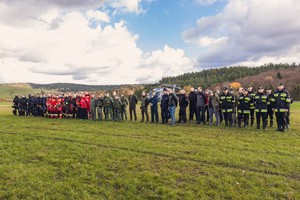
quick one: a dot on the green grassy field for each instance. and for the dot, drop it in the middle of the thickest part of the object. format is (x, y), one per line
(74, 159)
(8, 92)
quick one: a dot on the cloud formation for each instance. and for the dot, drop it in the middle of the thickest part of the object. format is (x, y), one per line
(70, 42)
(248, 32)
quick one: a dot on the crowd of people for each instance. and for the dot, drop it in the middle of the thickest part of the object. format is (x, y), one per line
(234, 108)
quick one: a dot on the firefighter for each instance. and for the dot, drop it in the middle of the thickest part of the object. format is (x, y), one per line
(252, 106)
(282, 103)
(261, 107)
(243, 107)
(270, 114)
(227, 102)
(15, 104)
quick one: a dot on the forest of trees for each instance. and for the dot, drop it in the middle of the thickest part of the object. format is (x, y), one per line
(212, 77)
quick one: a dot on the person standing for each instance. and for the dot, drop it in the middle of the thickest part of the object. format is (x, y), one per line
(243, 107)
(173, 102)
(213, 107)
(252, 106)
(201, 105)
(227, 101)
(15, 104)
(270, 113)
(183, 104)
(100, 104)
(154, 107)
(93, 107)
(144, 106)
(117, 105)
(108, 105)
(133, 100)
(125, 103)
(261, 107)
(192, 104)
(282, 101)
(164, 105)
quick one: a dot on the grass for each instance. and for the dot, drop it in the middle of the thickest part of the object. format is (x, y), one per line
(73, 159)
(8, 92)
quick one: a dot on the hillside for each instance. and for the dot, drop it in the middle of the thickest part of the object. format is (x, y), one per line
(266, 75)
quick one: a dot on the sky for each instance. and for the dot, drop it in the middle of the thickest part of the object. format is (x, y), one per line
(140, 41)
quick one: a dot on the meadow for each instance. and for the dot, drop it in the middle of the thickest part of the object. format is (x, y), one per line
(76, 159)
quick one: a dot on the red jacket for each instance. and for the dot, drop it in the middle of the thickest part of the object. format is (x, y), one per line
(83, 102)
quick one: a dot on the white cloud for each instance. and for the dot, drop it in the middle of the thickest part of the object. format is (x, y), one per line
(248, 31)
(62, 47)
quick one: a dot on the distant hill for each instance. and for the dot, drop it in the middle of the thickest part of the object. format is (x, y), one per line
(266, 75)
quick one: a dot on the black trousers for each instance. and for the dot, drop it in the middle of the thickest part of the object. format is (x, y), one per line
(145, 113)
(201, 114)
(281, 120)
(245, 117)
(182, 114)
(207, 113)
(84, 113)
(261, 116)
(132, 111)
(165, 116)
(252, 116)
(192, 109)
(154, 113)
(228, 118)
(270, 115)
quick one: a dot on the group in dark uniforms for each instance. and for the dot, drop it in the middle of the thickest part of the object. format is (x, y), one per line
(235, 109)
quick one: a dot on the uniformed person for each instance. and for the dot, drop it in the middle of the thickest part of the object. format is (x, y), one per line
(213, 106)
(201, 106)
(227, 102)
(234, 112)
(261, 107)
(252, 106)
(125, 103)
(282, 102)
(144, 106)
(164, 105)
(270, 115)
(15, 104)
(108, 104)
(100, 104)
(243, 108)
(154, 107)
(93, 107)
(133, 100)
(117, 105)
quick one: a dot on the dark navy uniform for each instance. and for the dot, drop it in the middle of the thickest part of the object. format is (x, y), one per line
(243, 107)
(164, 105)
(261, 109)
(282, 102)
(227, 101)
(252, 108)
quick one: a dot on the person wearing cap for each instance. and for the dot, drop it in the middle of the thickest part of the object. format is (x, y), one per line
(261, 107)
(270, 114)
(282, 101)
(154, 99)
(213, 107)
(164, 105)
(201, 105)
(227, 102)
(125, 103)
(183, 104)
(244, 102)
(192, 103)
(133, 100)
(144, 107)
(252, 93)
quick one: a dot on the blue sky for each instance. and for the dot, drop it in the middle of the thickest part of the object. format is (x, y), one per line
(140, 41)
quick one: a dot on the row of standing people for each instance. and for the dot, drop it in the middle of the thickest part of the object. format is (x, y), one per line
(205, 106)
